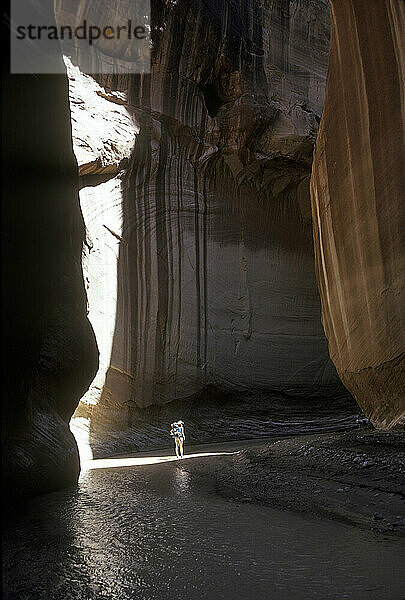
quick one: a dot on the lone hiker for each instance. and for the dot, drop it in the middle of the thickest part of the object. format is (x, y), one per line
(177, 432)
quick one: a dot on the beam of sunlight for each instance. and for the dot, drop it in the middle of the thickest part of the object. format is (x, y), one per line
(110, 133)
(112, 463)
(80, 427)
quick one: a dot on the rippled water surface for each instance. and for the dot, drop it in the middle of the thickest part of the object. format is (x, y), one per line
(149, 532)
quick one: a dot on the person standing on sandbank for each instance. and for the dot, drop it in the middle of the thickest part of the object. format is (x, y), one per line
(177, 432)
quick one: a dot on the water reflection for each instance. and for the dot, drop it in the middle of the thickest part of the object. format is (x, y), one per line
(181, 481)
(152, 531)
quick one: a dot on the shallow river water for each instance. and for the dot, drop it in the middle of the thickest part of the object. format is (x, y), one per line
(143, 530)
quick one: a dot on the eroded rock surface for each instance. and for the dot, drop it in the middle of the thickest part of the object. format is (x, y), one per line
(49, 352)
(358, 182)
(199, 259)
(102, 130)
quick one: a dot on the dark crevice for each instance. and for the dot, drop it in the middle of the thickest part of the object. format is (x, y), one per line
(212, 99)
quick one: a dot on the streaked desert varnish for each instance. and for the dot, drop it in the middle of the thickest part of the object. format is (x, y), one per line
(208, 224)
(358, 184)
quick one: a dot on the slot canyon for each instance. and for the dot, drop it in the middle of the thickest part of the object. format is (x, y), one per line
(196, 235)
(218, 240)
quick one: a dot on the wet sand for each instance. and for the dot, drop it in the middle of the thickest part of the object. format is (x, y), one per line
(356, 477)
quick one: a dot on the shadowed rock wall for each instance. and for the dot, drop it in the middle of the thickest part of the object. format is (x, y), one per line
(49, 350)
(358, 184)
(199, 258)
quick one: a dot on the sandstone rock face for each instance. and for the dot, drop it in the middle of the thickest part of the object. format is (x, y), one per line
(199, 258)
(49, 352)
(102, 128)
(358, 181)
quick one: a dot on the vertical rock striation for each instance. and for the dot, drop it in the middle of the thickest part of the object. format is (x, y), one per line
(49, 350)
(199, 260)
(357, 190)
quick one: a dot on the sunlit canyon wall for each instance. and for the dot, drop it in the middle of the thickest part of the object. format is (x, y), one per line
(197, 251)
(358, 189)
(195, 192)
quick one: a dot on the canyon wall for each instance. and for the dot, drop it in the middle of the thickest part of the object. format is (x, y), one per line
(197, 247)
(195, 192)
(49, 350)
(357, 190)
